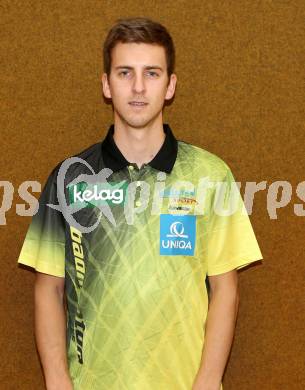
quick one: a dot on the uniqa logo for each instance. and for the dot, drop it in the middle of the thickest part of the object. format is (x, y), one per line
(177, 231)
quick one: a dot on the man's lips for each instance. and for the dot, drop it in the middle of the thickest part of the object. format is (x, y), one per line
(137, 104)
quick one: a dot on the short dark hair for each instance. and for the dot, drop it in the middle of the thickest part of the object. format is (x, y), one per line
(139, 30)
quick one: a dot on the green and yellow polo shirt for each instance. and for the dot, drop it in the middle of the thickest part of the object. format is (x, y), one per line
(135, 254)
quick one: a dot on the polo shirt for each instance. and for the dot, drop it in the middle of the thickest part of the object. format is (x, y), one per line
(135, 257)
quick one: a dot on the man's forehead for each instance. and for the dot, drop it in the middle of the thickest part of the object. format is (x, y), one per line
(135, 54)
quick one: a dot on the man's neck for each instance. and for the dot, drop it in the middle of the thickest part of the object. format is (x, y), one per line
(139, 145)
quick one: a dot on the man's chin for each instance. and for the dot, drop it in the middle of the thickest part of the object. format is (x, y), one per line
(137, 123)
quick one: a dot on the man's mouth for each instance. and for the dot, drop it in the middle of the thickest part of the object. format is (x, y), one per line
(137, 104)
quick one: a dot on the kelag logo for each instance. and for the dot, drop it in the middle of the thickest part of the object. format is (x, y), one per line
(97, 194)
(177, 234)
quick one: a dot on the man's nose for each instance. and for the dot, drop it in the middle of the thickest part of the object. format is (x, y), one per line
(138, 84)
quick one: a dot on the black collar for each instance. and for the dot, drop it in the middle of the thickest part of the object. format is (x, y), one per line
(164, 160)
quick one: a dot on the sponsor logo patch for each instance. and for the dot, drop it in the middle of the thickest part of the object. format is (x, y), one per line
(97, 194)
(177, 234)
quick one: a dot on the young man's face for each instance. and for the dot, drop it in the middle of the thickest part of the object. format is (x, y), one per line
(138, 83)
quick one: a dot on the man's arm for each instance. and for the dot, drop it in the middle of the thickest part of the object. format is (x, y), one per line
(220, 325)
(50, 330)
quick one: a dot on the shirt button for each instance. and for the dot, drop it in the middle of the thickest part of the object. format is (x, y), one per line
(138, 183)
(138, 203)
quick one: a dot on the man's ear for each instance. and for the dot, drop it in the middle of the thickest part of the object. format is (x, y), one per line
(106, 87)
(171, 87)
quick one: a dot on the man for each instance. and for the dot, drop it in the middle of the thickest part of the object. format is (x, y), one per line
(131, 260)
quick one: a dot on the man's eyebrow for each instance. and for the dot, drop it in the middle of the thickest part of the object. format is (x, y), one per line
(148, 67)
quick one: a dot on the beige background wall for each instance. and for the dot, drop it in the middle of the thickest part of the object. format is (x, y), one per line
(240, 67)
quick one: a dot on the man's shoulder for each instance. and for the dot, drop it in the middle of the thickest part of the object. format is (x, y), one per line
(94, 149)
(202, 159)
(89, 157)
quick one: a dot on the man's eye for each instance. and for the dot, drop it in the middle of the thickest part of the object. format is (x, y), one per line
(124, 73)
(153, 74)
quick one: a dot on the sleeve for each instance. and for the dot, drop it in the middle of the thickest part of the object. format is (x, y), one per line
(231, 242)
(44, 245)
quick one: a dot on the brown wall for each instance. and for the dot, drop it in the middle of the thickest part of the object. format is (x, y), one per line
(240, 95)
